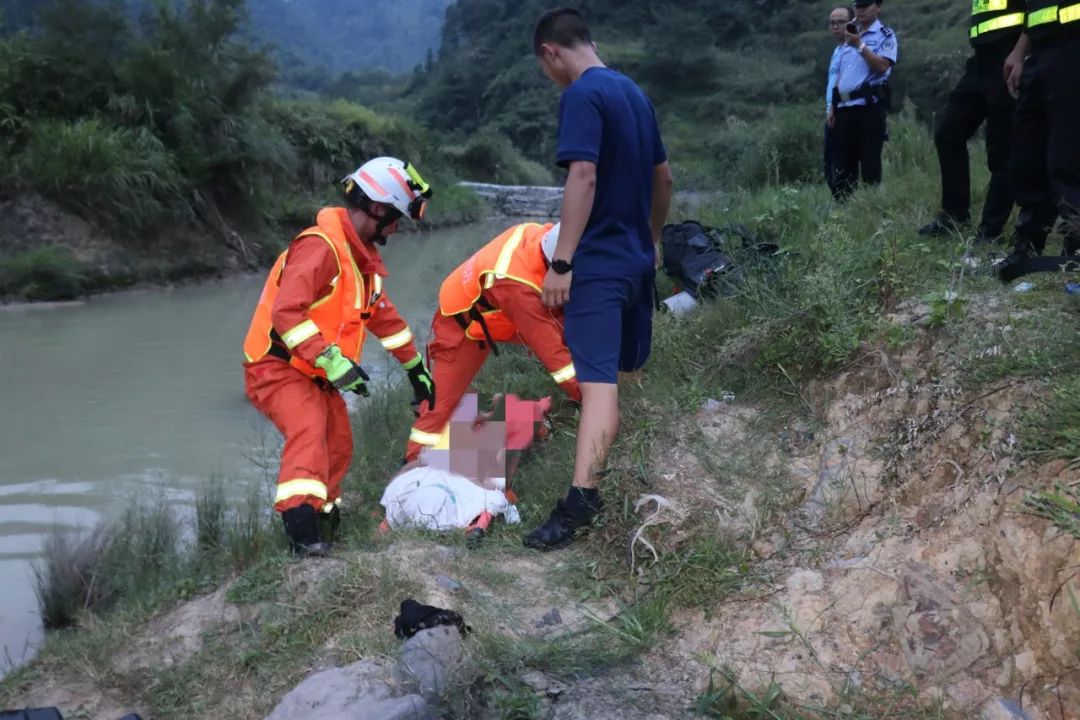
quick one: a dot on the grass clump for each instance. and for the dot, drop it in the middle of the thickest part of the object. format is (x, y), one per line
(51, 273)
(121, 176)
(1061, 507)
(151, 554)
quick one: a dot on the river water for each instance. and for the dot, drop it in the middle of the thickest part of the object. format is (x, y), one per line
(141, 393)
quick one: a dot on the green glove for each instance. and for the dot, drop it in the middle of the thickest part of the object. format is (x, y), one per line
(422, 383)
(342, 372)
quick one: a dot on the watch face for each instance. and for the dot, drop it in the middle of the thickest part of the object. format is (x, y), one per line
(561, 266)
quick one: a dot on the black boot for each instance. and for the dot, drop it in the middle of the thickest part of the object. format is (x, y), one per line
(1014, 264)
(301, 525)
(577, 510)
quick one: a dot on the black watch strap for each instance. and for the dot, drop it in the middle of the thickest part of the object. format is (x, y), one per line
(561, 267)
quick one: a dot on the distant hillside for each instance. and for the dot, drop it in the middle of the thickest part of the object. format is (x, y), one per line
(327, 37)
(350, 35)
(709, 67)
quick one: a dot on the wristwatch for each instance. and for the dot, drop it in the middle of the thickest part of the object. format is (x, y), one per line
(561, 267)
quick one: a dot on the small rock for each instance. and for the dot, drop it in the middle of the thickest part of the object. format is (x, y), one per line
(358, 690)
(448, 583)
(437, 660)
(552, 617)
(541, 684)
(711, 405)
(763, 549)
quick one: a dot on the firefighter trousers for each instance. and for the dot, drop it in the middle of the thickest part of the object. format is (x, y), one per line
(314, 421)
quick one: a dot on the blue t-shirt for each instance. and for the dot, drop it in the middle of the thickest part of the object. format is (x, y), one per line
(604, 118)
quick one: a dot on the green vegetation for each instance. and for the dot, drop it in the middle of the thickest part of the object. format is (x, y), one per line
(737, 85)
(169, 123)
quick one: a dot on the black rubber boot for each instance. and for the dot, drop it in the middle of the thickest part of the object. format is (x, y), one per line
(301, 525)
(577, 510)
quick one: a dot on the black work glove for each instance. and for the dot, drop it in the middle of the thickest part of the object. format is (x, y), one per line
(423, 384)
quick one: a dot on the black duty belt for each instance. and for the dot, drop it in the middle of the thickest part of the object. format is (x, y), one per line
(474, 314)
(279, 351)
(881, 93)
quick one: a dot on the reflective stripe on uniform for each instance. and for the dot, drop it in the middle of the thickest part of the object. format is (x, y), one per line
(502, 264)
(564, 374)
(397, 340)
(979, 7)
(424, 438)
(1069, 14)
(1042, 17)
(301, 486)
(304, 331)
(998, 23)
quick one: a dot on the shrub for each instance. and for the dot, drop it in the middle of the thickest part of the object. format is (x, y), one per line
(124, 177)
(49, 273)
(68, 578)
(493, 158)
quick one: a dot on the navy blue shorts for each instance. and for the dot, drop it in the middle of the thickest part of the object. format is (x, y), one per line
(609, 325)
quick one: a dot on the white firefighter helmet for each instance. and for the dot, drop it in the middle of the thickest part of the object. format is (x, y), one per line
(391, 182)
(549, 241)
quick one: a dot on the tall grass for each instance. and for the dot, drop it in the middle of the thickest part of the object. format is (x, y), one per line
(124, 177)
(153, 552)
(49, 273)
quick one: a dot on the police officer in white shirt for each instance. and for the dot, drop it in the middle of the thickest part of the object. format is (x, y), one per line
(861, 97)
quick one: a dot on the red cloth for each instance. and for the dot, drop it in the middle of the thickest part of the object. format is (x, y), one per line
(314, 422)
(454, 360)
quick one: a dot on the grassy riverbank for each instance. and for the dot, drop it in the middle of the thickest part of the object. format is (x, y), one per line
(858, 307)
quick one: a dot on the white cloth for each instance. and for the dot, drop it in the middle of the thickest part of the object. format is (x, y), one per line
(434, 499)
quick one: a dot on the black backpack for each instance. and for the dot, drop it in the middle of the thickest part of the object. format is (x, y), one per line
(702, 259)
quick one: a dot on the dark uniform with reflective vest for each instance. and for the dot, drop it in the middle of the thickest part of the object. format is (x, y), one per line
(981, 95)
(1045, 158)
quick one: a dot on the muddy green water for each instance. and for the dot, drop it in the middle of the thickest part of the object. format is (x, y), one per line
(141, 394)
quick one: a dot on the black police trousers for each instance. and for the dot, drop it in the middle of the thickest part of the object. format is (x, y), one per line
(1045, 159)
(858, 136)
(981, 95)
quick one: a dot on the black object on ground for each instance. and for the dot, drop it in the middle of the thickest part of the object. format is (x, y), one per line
(415, 617)
(1016, 266)
(711, 261)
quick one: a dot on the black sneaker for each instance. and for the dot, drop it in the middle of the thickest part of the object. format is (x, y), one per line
(942, 225)
(302, 527)
(570, 515)
(1014, 264)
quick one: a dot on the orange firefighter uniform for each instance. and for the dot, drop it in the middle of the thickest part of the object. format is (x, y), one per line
(501, 284)
(327, 287)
